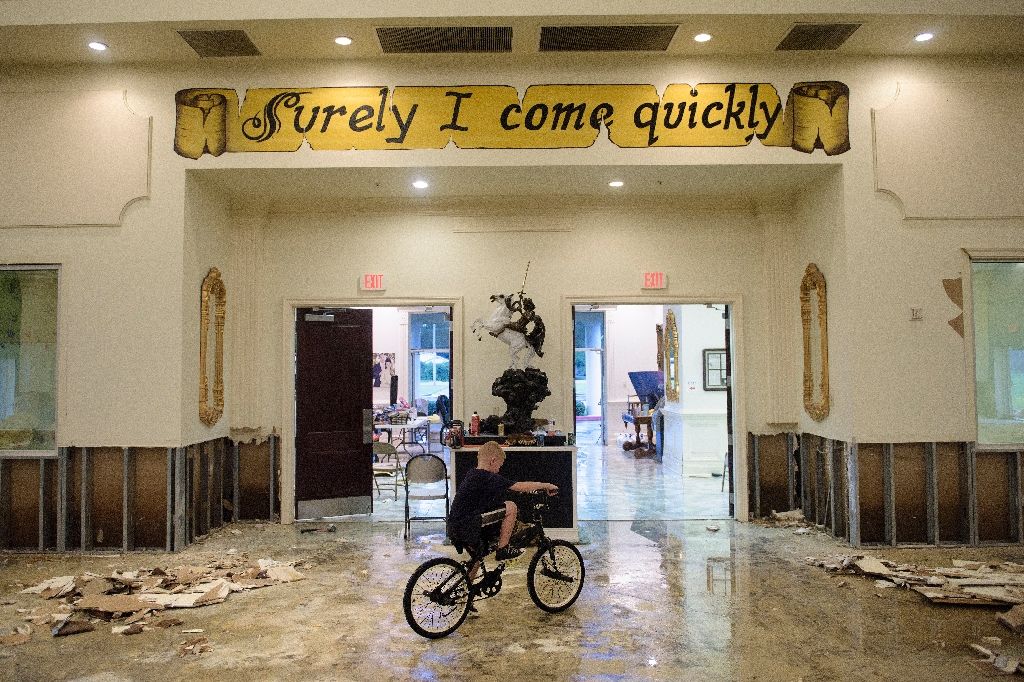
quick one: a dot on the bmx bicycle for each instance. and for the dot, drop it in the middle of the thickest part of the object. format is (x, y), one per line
(440, 593)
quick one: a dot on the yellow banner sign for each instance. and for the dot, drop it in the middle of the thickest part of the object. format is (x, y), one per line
(211, 120)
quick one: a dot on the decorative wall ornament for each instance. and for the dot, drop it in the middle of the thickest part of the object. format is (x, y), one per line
(212, 294)
(955, 291)
(814, 317)
(659, 332)
(671, 357)
(212, 120)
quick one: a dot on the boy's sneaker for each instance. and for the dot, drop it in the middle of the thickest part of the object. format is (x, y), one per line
(507, 553)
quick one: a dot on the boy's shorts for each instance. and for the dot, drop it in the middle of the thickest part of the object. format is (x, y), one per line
(486, 527)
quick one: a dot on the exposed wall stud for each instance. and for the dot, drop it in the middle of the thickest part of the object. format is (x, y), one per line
(852, 494)
(791, 443)
(273, 474)
(5, 504)
(127, 500)
(932, 483)
(180, 500)
(169, 525)
(757, 475)
(1017, 519)
(42, 504)
(830, 447)
(806, 457)
(236, 495)
(889, 492)
(86, 501)
(972, 493)
(63, 497)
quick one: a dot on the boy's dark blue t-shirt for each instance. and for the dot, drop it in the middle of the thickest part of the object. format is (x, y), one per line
(479, 492)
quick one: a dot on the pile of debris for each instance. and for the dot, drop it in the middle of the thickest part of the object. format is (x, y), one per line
(788, 519)
(965, 583)
(135, 598)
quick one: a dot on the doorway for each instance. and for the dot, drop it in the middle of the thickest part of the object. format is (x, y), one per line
(589, 376)
(686, 474)
(405, 363)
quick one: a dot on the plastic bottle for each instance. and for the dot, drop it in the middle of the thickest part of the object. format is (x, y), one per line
(474, 425)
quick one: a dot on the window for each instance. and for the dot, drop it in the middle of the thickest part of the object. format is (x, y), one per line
(28, 359)
(998, 293)
(430, 357)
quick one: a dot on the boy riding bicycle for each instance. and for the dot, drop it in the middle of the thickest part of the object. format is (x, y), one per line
(483, 494)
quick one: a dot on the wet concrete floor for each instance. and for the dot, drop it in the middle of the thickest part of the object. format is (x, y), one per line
(664, 600)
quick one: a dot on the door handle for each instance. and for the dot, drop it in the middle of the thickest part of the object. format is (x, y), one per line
(367, 426)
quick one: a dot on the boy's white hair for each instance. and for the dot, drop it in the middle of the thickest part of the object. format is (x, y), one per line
(488, 450)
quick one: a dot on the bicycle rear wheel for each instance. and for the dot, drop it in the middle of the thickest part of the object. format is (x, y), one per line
(436, 598)
(555, 577)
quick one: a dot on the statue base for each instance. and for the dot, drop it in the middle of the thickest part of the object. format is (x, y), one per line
(522, 390)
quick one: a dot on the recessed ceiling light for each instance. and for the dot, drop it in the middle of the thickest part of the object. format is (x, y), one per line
(616, 183)
(702, 37)
(924, 37)
(420, 184)
(343, 40)
(98, 46)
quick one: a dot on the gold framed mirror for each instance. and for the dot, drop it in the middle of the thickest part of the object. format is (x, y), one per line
(814, 318)
(212, 303)
(671, 357)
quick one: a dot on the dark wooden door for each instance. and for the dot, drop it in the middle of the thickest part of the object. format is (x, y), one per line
(333, 412)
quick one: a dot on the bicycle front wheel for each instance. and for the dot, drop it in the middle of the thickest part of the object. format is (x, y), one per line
(555, 576)
(436, 598)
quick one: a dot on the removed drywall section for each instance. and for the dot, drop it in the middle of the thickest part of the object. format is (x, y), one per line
(773, 473)
(254, 480)
(107, 474)
(871, 485)
(951, 472)
(149, 499)
(995, 476)
(21, 478)
(911, 492)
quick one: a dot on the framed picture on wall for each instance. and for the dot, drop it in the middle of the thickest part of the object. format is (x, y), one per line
(714, 369)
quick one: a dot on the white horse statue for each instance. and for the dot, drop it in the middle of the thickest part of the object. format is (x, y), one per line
(521, 352)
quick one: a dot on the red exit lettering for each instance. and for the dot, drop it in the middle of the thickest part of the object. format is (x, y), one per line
(654, 280)
(373, 281)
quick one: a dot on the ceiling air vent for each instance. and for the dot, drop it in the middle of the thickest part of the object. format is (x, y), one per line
(220, 43)
(640, 38)
(817, 36)
(444, 39)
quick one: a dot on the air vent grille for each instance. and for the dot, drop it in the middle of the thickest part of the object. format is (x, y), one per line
(817, 36)
(442, 39)
(638, 38)
(220, 43)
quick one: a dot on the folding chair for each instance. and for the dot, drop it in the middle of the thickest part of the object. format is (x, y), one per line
(423, 476)
(386, 467)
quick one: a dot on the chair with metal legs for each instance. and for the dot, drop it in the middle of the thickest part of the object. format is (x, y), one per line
(423, 477)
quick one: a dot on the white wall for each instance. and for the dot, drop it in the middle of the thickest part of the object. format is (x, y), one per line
(391, 335)
(124, 327)
(632, 346)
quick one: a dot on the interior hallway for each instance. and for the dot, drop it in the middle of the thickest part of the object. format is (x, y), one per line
(662, 601)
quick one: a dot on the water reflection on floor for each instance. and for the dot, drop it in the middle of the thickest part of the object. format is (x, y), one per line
(663, 600)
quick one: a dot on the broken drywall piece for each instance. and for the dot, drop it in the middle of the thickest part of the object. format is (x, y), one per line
(53, 588)
(802, 531)
(872, 566)
(20, 634)
(112, 603)
(72, 626)
(127, 630)
(167, 622)
(283, 573)
(884, 584)
(194, 646)
(1013, 619)
(713, 529)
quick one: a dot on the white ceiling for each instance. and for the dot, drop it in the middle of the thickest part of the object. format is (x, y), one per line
(30, 35)
(329, 189)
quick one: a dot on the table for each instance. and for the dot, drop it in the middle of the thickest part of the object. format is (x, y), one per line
(550, 464)
(404, 430)
(638, 421)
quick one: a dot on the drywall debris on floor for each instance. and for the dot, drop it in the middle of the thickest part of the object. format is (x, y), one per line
(75, 604)
(965, 583)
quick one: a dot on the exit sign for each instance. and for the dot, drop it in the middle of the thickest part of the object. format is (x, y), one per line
(653, 280)
(372, 281)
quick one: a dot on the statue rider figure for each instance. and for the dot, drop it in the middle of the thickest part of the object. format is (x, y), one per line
(527, 316)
